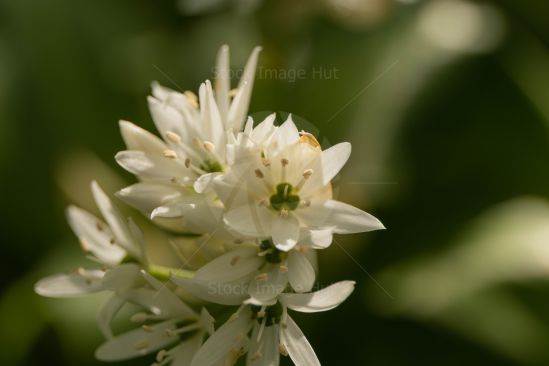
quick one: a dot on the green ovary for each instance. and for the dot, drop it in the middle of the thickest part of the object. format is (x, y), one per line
(284, 198)
(211, 166)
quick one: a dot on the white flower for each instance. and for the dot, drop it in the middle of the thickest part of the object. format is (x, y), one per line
(109, 244)
(260, 272)
(170, 327)
(273, 331)
(192, 150)
(279, 183)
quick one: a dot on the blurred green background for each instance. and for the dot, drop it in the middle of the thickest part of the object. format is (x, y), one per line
(446, 104)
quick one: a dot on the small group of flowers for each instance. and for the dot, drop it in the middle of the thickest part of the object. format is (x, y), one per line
(261, 193)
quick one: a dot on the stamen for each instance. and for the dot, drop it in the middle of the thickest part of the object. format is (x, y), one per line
(141, 345)
(283, 269)
(261, 277)
(187, 163)
(284, 162)
(185, 329)
(282, 350)
(261, 313)
(284, 213)
(266, 162)
(306, 175)
(258, 173)
(147, 328)
(235, 260)
(173, 137)
(261, 329)
(192, 98)
(305, 203)
(139, 317)
(170, 154)
(161, 355)
(208, 146)
(233, 92)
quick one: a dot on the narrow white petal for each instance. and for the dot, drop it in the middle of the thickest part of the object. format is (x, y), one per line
(212, 125)
(333, 159)
(169, 211)
(322, 300)
(107, 312)
(146, 196)
(321, 239)
(137, 138)
(239, 106)
(225, 293)
(228, 338)
(299, 349)
(265, 352)
(285, 232)
(116, 222)
(123, 277)
(301, 273)
(263, 290)
(154, 167)
(137, 342)
(249, 220)
(231, 266)
(223, 82)
(204, 182)
(286, 134)
(81, 282)
(184, 353)
(95, 236)
(339, 216)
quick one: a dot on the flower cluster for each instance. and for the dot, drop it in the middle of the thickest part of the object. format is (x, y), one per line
(261, 193)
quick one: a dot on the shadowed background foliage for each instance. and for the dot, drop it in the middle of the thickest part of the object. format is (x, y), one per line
(446, 104)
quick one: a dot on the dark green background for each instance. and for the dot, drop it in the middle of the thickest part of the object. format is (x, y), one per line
(439, 137)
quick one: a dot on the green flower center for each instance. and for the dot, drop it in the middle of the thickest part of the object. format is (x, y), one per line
(273, 314)
(211, 166)
(273, 254)
(284, 198)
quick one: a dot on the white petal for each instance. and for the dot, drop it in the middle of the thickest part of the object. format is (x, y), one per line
(321, 239)
(137, 138)
(227, 338)
(212, 126)
(95, 236)
(264, 130)
(107, 312)
(168, 211)
(151, 166)
(299, 349)
(249, 220)
(80, 282)
(333, 159)
(223, 82)
(286, 134)
(231, 266)
(146, 196)
(123, 277)
(204, 182)
(301, 273)
(137, 342)
(265, 352)
(265, 290)
(239, 106)
(343, 218)
(225, 293)
(116, 222)
(285, 232)
(322, 300)
(184, 353)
